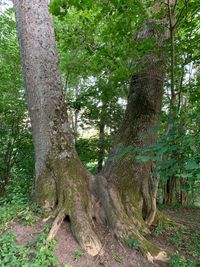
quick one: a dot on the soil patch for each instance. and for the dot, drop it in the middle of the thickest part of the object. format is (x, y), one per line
(69, 252)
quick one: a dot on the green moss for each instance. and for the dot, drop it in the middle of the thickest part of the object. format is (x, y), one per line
(147, 246)
(162, 219)
(46, 191)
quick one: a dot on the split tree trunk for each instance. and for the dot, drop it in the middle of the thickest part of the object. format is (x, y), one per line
(62, 184)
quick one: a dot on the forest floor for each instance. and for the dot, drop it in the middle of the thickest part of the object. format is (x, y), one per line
(183, 242)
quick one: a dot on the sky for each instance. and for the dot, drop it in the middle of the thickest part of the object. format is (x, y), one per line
(4, 4)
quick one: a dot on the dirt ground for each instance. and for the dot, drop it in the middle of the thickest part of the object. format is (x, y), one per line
(115, 254)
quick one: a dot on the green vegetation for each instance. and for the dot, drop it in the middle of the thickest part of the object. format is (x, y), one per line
(184, 239)
(133, 243)
(179, 261)
(98, 56)
(12, 254)
(78, 254)
(33, 254)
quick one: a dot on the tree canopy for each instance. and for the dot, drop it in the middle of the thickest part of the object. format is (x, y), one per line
(109, 106)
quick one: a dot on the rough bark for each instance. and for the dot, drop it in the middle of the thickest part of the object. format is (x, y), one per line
(61, 180)
(62, 184)
(126, 187)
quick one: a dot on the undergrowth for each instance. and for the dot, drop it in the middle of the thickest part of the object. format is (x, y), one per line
(35, 253)
(185, 239)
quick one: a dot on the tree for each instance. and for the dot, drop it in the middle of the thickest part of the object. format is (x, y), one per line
(14, 126)
(120, 196)
(183, 20)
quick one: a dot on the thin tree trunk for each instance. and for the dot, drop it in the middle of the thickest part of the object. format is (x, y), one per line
(101, 146)
(169, 191)
(170, 183)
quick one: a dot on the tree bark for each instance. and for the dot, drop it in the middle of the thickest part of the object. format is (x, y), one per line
(169, 191)
(129, 177)
(61, 180)
(62, 184)
(101, 145)
(127, 187)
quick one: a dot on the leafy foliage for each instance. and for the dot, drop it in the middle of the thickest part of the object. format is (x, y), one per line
(12, 254)
(133, 243)
(98, 55)
(78, 254)
(16, 155)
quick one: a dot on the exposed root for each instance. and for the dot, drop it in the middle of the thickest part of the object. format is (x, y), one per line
(56, 225)
(148, 249)
(161, 256)
(82, 230)
(47, 218)
(149, 221)
(163, 219)
(125, 226)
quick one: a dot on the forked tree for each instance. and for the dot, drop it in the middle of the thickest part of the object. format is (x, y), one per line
(123, 195)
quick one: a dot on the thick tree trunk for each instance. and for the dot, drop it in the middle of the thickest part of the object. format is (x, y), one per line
(62, 184)
(61, 181)
(127, 187)
(129, 180)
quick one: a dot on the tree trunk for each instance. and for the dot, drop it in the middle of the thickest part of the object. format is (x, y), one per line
(7, 165)
(62, 184)
(169, 191)
(127, 187)
(170, 183)
(61, 181)
(131, 178)
(101, 145)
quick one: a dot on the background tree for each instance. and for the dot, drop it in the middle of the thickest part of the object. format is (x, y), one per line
(15, 137)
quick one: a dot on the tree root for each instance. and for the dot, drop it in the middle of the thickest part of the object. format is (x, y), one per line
(82, 229)
(149, 250)
(125, 226)
(56, 225)
(163, 219)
